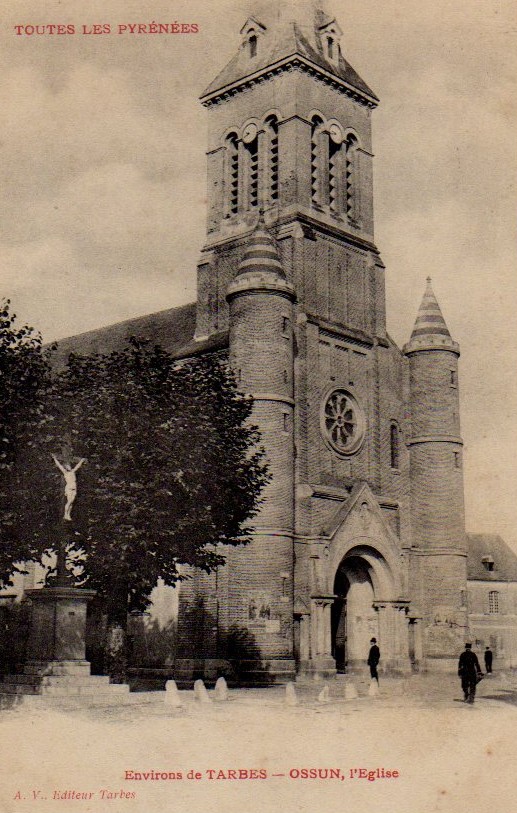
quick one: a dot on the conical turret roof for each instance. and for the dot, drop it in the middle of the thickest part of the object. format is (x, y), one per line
(260, 267)
(430, 329)
(261, 254)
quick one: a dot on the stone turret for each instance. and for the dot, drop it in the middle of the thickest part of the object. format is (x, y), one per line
(437, 502)
(261, 354)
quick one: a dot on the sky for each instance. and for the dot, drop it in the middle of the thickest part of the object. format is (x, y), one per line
(102, 193)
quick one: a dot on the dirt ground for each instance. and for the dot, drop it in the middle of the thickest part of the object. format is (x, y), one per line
(415, 748)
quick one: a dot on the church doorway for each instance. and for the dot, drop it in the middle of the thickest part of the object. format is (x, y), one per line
(354, 620)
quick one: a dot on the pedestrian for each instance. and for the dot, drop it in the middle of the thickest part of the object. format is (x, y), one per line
(374, 657)
(469, 672)
(488, 660)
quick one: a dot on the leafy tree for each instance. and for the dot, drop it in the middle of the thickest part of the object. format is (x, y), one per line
(25, 376)
(172, 470)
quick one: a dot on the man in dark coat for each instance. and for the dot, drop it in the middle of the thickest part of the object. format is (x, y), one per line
(374, 657)
(469, 671)
(488, 660)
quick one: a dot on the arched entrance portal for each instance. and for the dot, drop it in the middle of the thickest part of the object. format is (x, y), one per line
(354, 619)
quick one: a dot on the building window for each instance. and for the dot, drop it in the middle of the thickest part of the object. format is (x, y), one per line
(252, 42)
(286, 327)
(488, 562)
(252, 149)
(454, 378)
(272, 132)
(343, 422)
(463, 598)
(232, 153)
(351, 178)
(334, 175)
(457, 460)
(493, 602)
(316, 136)
(286, 422)
(394, 446)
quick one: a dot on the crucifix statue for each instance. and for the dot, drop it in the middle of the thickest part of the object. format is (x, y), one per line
(68, 473)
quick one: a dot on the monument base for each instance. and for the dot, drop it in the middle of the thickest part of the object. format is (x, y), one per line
(56, 672)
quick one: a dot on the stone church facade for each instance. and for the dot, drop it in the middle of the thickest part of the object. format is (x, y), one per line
(361, 532)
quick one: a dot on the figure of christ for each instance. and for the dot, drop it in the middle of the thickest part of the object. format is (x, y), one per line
(70, 484)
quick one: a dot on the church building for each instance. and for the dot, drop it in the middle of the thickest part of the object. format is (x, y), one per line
(361, 531)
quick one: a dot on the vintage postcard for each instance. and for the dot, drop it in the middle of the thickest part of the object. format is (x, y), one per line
(308, 207)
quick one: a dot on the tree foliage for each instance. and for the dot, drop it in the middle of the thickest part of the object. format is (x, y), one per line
(25, 376)
(172, 467)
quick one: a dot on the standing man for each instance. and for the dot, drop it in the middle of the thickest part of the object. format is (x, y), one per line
(469, 670)
(488, 660)
(374, 657)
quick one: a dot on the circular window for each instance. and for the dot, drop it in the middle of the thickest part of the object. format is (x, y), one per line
(343, 424)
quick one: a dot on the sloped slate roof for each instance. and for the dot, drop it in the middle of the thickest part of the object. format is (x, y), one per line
(289, 41)
(490, 545)
(172, 329)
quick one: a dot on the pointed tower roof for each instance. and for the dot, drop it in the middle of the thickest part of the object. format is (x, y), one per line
(260, 267)
(430, 331)
(285, 32)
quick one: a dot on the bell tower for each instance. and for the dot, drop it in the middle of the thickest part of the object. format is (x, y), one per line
(290, 134)
(290, 278)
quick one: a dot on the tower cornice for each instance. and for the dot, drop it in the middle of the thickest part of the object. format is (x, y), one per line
(411, 348)
(283, 226)
(292, 62)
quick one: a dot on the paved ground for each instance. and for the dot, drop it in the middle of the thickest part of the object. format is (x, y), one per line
(449, 756)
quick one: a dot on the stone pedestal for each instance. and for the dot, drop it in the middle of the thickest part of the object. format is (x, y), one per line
(58, 624)
(56, 668)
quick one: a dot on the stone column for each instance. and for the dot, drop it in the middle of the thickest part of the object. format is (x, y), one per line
(305, 638)
(393, 635)
(322, 661)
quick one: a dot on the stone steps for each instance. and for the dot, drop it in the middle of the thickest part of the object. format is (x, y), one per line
(60, 683)
(66, 702)
(59, 680)
(44, 668)
(69, 690)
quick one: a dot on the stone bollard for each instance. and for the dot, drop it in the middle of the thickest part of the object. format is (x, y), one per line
(373, 689)
(221, 689)
(324, 695)
(350, 691)
(200, 692)
(291, 698)
(172, 696)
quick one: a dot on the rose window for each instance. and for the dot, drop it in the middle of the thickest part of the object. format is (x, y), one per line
(342, 422)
